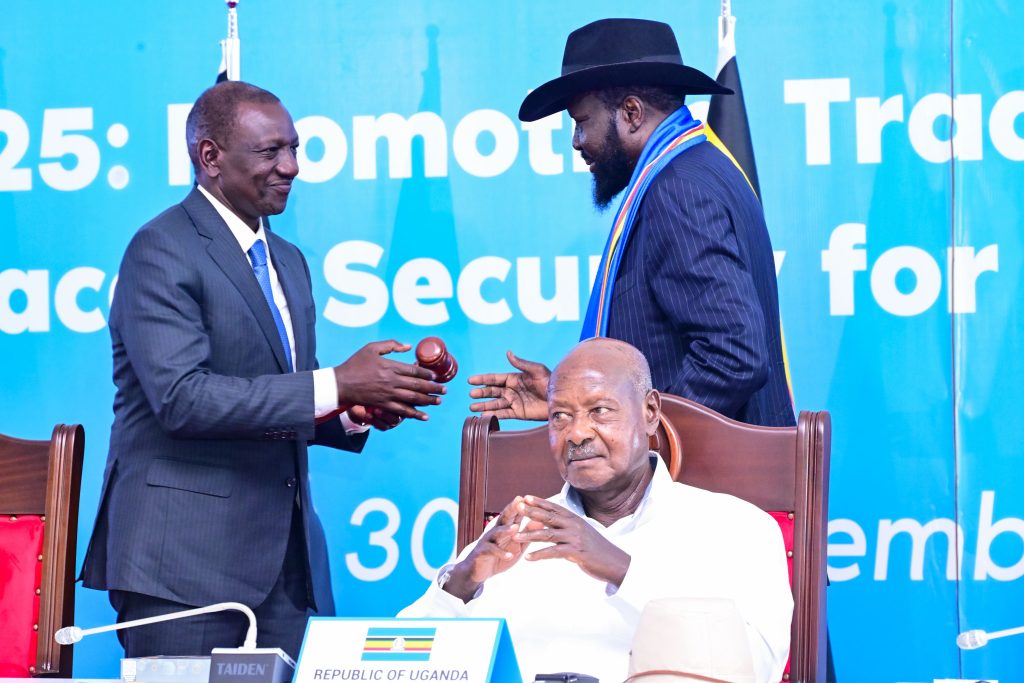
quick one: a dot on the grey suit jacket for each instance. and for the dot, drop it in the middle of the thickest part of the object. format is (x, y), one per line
(208, 447)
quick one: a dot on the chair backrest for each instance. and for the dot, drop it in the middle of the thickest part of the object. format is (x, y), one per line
(39, 487)
(782, 470)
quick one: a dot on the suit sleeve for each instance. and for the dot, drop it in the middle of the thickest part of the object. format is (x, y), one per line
(158, 316)
(700, 282)
(332, 432)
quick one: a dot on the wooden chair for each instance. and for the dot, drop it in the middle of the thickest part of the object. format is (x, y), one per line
(39, 486)
(784, 471)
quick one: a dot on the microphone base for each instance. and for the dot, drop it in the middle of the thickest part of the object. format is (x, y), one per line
(253, 665)
(165, 669)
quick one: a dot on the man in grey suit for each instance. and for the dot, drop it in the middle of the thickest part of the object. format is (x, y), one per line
(206, 493)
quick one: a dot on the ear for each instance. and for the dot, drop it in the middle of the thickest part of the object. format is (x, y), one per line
(209, 157)
(652, 411)
(633, 113)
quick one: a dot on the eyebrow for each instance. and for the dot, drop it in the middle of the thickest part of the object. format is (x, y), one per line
(275, 142)
(587, 402)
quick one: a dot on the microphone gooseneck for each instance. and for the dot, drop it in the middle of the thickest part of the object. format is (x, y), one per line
(72, 634)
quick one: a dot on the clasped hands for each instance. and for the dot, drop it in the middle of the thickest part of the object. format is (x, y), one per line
(504, 544)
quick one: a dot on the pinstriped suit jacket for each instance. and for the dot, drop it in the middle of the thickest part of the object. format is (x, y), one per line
(696, 291)
(208, 446)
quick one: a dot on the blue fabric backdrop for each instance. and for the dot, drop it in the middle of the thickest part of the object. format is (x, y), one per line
(427, 208)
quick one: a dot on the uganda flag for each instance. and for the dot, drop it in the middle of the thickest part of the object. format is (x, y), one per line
(398, 644)
(727, 115)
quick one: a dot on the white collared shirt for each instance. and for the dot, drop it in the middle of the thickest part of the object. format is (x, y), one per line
(325, 390)
(682, 542)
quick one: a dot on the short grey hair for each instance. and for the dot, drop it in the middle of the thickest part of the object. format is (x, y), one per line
(213, 115)
(633, 361)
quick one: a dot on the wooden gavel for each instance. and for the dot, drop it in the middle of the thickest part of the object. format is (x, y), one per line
(431, 354)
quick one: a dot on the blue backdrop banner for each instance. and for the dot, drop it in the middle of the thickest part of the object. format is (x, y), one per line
(887, 138)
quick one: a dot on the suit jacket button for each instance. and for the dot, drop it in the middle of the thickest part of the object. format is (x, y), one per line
(290, 482)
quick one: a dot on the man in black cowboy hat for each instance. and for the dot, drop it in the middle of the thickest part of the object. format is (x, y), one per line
(688, 275)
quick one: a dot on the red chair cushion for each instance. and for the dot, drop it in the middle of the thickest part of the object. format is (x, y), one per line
(785, 520)
(786, 524)
(21, 545)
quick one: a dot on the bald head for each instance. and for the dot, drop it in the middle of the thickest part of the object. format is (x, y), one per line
(611, 356)
(602, 413)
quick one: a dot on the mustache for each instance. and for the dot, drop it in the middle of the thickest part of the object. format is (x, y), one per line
(581, 451)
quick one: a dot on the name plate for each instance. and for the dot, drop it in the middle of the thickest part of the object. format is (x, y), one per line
(338, 650)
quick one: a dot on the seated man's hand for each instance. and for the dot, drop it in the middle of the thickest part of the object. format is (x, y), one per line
(574, 540)
(496, 551)
(520, 395)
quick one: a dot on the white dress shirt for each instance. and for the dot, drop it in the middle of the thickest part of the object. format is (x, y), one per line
(325, 388)
(682, 541)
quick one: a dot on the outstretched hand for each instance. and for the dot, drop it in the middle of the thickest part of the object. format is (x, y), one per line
(572, 539)
(519, 395)
(369, 379)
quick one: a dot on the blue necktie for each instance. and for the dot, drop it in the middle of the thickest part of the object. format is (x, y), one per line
(258, 254)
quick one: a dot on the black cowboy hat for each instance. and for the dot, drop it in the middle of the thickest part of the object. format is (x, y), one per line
(617, 52)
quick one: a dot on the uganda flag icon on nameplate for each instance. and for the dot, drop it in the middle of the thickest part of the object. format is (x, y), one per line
(398, 644)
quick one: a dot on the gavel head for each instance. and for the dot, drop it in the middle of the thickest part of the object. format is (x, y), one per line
(432, 354)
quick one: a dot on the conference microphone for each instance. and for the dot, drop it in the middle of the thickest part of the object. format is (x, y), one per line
(259, 665)
(70, 635)
(973, 639)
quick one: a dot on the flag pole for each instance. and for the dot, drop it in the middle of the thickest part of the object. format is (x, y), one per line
(727, 116)
(231, 46)
(726, 36)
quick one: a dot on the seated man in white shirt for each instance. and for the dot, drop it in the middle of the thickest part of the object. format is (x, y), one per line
(571, 573)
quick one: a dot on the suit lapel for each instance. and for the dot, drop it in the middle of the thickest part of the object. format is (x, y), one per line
(225, 252)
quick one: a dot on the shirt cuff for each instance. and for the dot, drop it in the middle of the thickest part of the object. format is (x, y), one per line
(351, 427)
(325, 400)
(325, 392)
(634, 591)
(436, 603)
